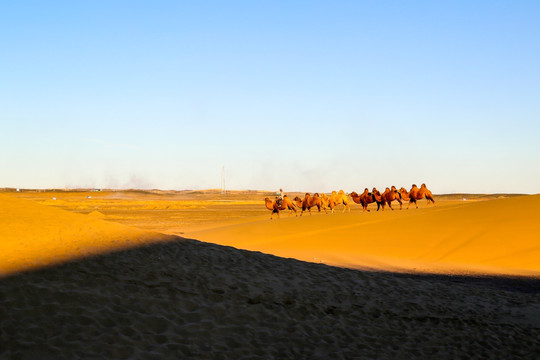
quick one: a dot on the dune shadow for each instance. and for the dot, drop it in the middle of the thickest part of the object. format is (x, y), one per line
(189, 299)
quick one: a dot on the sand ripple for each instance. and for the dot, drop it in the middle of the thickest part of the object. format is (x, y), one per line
(188, 299)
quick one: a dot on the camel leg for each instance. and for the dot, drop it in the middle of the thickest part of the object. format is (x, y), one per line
(400, 203)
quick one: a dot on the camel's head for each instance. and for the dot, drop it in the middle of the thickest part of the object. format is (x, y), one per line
(402, 190)
(423, 186)
(366, 190)
(387, 189)
(414, 186)
(393, 188)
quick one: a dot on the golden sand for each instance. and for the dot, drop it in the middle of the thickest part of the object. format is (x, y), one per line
(114, 291)
(497, 236)
(34, 235)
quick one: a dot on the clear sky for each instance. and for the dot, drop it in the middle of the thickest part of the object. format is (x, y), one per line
(303, 95)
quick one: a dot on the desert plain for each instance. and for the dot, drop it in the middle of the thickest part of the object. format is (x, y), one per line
(208, 275)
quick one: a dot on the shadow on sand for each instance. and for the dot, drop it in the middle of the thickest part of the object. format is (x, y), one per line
(188, 299)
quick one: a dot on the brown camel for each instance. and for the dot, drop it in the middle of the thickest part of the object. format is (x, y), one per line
(355, 197)
(341, 198)
(425, 193)
(390, 195)
(366, 198)
(277, 205)
(404, 194)
(378, 195)
(416, 194)
(311, 201)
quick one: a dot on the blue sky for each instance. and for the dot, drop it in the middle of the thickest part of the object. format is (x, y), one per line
(307, 96)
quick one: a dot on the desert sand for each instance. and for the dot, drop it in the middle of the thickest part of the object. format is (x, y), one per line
(90, 275)
(489, 237)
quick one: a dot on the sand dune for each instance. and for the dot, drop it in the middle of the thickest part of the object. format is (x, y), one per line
(190, 300)
(34, 235)
(118, 292)
(496, 236)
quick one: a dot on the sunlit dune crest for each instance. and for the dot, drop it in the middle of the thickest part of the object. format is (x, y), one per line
(34, 235)
(495, 236)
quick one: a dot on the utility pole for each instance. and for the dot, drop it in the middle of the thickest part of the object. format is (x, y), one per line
(223, 191)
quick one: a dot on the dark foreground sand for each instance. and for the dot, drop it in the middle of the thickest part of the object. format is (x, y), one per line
(187, 299)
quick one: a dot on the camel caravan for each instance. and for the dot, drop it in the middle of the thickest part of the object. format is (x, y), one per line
(330, 203)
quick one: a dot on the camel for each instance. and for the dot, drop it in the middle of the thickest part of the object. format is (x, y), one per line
(390, 195)
(367, 198)
(311, 201)
(277, 205)
(416, 194)
(341, 198)
(355, 197)
(425, 193)
(404, 194)
(328, 203)
(378, 196)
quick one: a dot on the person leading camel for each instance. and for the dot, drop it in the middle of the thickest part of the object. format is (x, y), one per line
(279, 204)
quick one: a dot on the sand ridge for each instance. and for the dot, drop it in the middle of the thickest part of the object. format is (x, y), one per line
(496, 236)
(187, 299)
(119, 292)
(34, 235)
